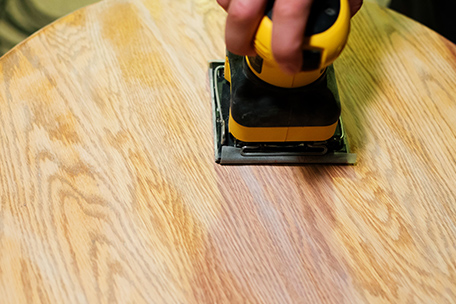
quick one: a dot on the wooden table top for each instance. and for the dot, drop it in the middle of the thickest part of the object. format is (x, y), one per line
(109, 191)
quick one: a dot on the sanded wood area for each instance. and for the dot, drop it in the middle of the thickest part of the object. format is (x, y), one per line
(109, 192)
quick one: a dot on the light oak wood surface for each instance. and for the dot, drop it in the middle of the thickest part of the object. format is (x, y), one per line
(109, 192)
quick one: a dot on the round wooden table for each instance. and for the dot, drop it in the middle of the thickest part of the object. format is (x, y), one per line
(109, 191)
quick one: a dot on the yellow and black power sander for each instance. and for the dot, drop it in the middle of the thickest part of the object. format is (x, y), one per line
(265, 116)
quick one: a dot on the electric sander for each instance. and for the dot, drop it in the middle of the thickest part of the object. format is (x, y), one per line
(262, 115)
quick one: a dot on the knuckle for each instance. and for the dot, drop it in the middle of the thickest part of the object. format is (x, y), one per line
(237, 45)
(286, 54)
(285, 50)
(292, 9)
(242, 11)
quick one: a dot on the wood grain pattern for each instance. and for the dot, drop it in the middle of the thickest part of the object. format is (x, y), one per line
(109, 192)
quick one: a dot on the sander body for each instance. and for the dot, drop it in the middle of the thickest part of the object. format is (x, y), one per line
(262, 115)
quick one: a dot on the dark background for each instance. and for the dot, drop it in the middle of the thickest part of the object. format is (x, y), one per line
(20, 18)
(439, 15)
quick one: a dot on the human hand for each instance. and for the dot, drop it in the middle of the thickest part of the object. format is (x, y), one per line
(290, 18)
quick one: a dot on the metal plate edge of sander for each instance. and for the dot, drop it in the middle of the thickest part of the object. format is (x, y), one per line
(231, 155)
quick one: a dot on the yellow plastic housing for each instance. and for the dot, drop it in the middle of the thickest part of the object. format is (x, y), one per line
(227, 70)
(281, 134)
(330, 42)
